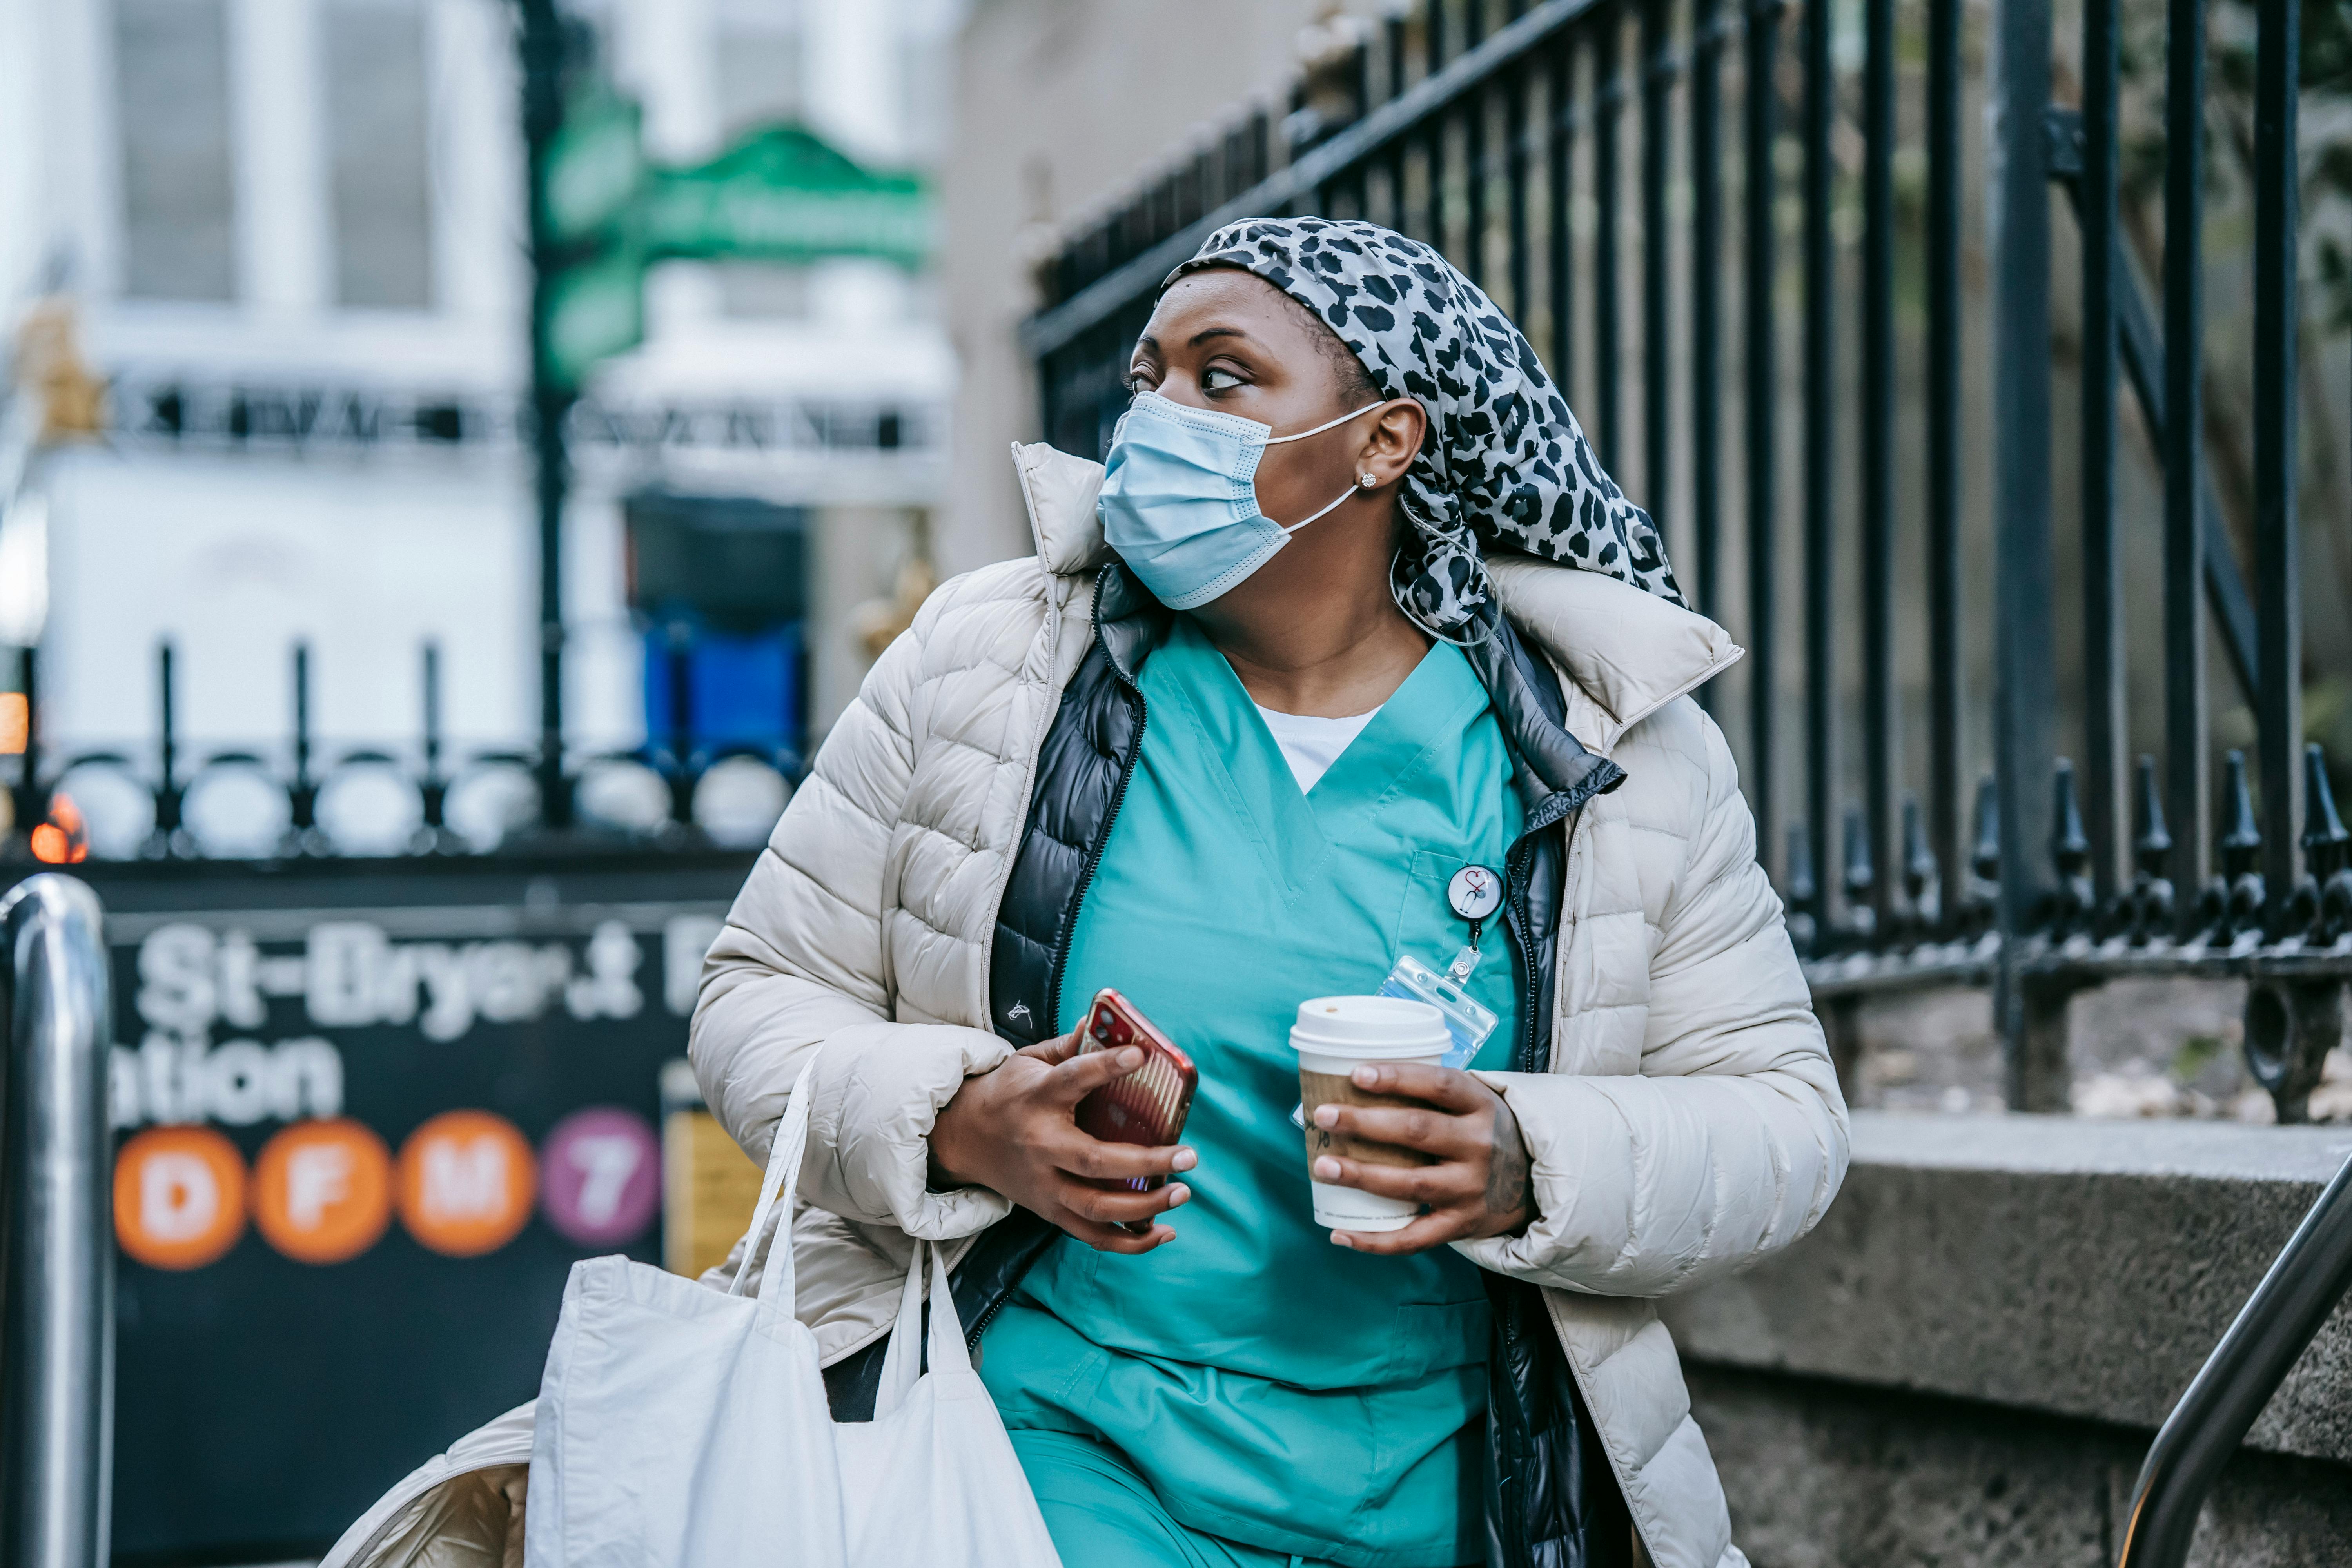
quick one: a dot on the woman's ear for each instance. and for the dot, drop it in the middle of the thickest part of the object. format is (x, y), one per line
(1391, 443)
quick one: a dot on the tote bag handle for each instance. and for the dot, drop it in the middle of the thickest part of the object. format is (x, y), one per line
(783, 1181)
(948, 1353)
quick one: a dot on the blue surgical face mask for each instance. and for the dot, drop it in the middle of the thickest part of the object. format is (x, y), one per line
(1179, 498)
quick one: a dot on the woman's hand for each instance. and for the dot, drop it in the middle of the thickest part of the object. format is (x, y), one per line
(1478, 1185)
(1015, 1130)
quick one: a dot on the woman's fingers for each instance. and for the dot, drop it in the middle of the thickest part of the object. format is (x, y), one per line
(1434, 1185)
(1112, 1238)
(1449, 1088)
(1053, 1052)
(1122, 1205)
(1429, 1230)
(1101, 1160)
(1083, 1074)
(1431, 1131)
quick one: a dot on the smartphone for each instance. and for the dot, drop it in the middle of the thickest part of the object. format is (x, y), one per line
(1149, 1105)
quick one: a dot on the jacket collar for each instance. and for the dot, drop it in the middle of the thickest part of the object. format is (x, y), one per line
(1625, 653)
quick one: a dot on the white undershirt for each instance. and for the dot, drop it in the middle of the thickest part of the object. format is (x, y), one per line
(1311, 746)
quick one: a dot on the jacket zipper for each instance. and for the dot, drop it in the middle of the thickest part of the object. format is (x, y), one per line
(1062, 944)
(1095, 850)
(988, 1313)
(1517, 919)
(1061, 961)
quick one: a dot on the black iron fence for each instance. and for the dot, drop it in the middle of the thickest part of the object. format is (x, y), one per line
(1498, 132)
(298, 798)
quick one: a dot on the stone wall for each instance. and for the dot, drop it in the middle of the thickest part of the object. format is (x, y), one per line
(1965, 1363)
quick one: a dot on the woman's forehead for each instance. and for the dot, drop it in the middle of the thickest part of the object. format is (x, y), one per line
(1225, 303)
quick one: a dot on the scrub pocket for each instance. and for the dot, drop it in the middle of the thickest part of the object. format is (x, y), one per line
(1426, 925)
(1436, 1336)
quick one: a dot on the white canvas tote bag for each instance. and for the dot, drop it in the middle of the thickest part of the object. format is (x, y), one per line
(679, 1427)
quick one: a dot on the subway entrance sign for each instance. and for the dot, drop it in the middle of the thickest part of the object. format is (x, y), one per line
(369, 1114)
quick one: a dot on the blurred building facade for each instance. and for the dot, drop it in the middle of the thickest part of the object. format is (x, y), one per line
(1062, 107)
(292, 232)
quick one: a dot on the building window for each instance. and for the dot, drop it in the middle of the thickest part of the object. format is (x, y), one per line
(375, 109)
(172, 105)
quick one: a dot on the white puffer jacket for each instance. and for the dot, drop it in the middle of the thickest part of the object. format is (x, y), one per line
(1690, 1123)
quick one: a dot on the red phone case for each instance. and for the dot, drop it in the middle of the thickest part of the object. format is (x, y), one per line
(1149, 1105)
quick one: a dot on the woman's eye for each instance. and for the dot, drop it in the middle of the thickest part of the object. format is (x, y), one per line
(1138, 380)
(1217, 379)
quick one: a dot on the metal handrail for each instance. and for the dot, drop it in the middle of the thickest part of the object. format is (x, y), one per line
(2309, 1277)
(57, 1349)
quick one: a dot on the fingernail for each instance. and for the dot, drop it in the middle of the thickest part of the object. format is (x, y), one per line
(1366, 1077)
(1342, 1239)
(1185, 1160)
(1327, 1169)
(1179, 1195)
(1327, 1116)
(1131, 1058)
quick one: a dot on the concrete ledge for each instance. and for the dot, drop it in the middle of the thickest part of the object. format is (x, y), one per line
(1827, 1475)
(2073, 1267)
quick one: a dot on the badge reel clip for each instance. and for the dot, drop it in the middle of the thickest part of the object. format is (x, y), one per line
(1475, 893)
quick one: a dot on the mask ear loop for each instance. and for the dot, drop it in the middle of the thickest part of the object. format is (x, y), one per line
(1289, 528)
(1326, 425)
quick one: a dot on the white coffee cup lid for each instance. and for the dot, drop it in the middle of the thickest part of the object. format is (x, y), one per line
(1369, 1028)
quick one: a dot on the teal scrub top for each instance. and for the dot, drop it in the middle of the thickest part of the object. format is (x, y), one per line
(1274, 1389)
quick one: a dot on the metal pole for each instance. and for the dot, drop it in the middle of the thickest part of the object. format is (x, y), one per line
(1820, 257)
(1763, 431)
(1707, 307)
(2278, 620)
(2106, 732)
(2306, 1281)
(56, 1351)
(1657, 69)
(1944, 767)
(1559, 277)
(1882, 723)
(1474, 156)
(2188, 793)
(32, 800)
(2025, 648)
(542, 46)
(1607, 427)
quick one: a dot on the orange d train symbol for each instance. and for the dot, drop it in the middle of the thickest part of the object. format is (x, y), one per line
(468, 1180)
(179, 1196)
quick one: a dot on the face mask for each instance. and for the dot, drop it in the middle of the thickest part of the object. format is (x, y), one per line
(1179, 498)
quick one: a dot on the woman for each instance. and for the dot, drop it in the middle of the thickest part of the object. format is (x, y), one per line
(1353, 614)
(1224, 743)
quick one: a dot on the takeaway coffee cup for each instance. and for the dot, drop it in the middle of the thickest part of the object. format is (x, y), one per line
(1333, 1036)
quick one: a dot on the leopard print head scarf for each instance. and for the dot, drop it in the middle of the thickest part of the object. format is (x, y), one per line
(1504, 464)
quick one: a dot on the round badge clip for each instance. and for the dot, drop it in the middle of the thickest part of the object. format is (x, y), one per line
(1475, 892)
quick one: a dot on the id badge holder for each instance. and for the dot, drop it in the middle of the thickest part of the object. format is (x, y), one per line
(1467, 1020)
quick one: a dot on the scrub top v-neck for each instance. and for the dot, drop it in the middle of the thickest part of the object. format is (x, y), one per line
(1274, 1389)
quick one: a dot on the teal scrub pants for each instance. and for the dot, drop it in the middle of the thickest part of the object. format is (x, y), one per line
(1101, 1514)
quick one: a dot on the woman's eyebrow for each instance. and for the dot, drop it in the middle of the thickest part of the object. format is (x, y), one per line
(1203, 336)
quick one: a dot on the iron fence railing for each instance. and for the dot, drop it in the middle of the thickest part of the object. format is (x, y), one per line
(1497, 130)
(299, 798)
